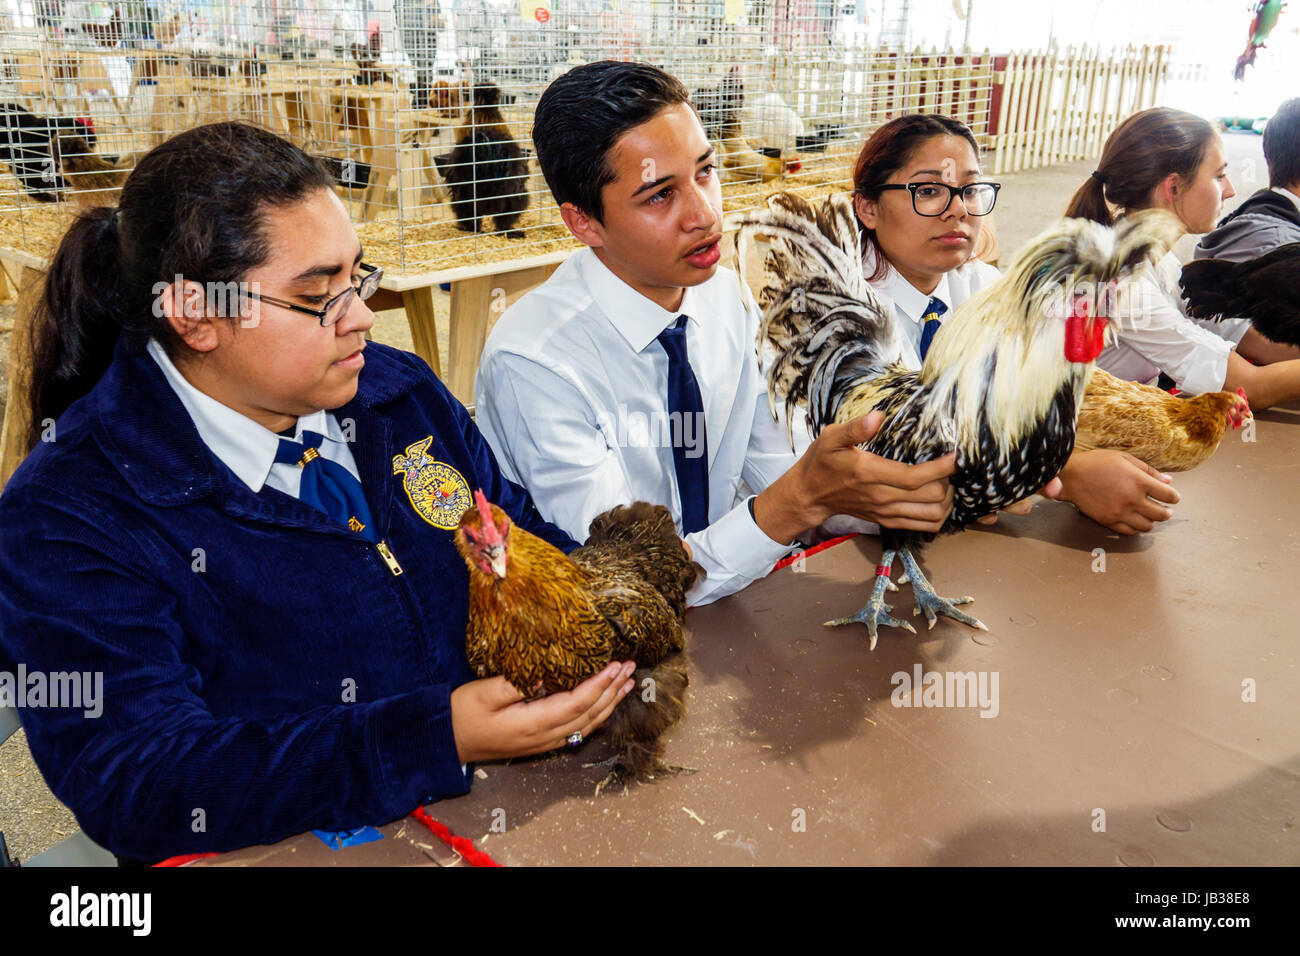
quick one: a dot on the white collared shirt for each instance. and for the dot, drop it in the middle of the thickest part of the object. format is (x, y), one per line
(245, 447)
(910, 303)
(1154, 335)
(572, 395)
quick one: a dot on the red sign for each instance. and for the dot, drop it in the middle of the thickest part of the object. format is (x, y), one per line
(542, 14)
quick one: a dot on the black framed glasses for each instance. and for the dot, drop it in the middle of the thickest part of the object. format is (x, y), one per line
(933, 199)
(338, 306)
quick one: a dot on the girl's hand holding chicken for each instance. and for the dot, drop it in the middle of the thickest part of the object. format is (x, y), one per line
(492, 720)
(1117, 490)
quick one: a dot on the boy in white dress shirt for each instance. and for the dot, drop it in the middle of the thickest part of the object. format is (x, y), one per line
(632, 373)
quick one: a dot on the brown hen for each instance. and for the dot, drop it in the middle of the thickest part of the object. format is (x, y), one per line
(1167, 432)
(547, 621)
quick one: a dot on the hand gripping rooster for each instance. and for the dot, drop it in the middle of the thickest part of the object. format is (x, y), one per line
(547, 621)
(1002, 381)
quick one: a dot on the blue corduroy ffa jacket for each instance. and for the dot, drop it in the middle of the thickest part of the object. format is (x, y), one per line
(265, 671)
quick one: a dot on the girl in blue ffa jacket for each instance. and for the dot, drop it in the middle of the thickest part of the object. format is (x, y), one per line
(240, 513)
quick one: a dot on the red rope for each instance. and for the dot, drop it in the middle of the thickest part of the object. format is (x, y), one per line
(791, 559)
(470, 853)
(184, 858)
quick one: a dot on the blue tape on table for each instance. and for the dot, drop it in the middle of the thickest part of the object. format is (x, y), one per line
(338, 839)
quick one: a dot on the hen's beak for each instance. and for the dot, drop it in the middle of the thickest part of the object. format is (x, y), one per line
(497, 560)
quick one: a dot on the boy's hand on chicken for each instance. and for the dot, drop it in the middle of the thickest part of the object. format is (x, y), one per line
(835, 476)
(491, 720)
(1117, 490)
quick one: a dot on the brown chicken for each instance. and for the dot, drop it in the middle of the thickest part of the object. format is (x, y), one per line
(93, 180)
(1167, 432)
(546, 621)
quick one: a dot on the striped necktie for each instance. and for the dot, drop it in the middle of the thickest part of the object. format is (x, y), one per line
(933, 309)
(326, 485)
(683, 400)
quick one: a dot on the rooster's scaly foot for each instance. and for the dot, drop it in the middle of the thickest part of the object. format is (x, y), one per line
(876, 612)
(932, 604)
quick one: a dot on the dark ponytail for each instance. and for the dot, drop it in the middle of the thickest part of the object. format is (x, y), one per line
(76, 318)
(1142, 151)
(887, 151)
(194, 207)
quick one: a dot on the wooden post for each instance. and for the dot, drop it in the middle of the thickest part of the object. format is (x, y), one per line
(418, 304)
(18, 413)
(476, 304)
(1038, 153)
(1002, 142)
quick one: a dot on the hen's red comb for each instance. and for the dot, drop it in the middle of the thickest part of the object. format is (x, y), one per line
(491, 533)
(1238, 415)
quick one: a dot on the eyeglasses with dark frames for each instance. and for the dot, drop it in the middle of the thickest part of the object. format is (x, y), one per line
(338, 306)
(933, 199)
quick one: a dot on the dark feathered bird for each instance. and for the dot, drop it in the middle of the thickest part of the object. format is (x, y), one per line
(546, 621)
(30, 147)
(487, 172)
(1265, 290)
(1002, 381)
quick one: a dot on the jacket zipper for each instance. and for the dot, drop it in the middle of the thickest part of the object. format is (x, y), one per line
(386, 553)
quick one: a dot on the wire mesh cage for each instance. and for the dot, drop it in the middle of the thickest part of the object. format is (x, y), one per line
(423, 108)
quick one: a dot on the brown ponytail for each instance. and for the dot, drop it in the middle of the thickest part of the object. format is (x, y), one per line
(194, 207)
(1142, 151)
(1089, 202)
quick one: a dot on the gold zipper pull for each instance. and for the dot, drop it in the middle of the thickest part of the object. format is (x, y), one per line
(387, 554)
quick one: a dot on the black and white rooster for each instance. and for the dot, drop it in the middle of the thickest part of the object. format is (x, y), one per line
(1001, 383)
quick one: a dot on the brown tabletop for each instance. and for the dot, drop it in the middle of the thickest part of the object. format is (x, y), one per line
(1144, 713)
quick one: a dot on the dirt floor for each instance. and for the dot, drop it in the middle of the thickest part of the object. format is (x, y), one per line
(32, 819)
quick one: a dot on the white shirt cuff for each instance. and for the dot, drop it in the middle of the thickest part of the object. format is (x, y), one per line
(734, 551)
(1208, 372)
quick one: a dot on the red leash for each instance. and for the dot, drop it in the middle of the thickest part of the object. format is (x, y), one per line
(184, 859)
(469, 853)
(791, 559)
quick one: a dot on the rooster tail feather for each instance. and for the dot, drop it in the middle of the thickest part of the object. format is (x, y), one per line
(826, 325)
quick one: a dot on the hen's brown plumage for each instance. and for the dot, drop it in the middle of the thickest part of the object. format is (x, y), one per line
(549, 621)
(1167, 432)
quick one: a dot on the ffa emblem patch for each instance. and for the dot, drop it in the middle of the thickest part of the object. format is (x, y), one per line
(437, 491)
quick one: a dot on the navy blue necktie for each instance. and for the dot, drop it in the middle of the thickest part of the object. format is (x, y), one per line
(933, 309)
(683, 400)
(327, 485)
